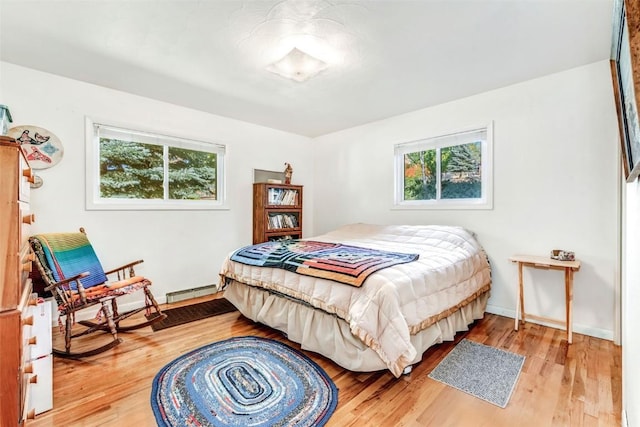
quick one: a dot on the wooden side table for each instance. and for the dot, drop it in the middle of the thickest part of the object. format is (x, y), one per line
(545, 262)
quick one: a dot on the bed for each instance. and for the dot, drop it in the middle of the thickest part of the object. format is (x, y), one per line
(388, 320)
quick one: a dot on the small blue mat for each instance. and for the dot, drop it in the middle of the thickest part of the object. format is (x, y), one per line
(482, 371)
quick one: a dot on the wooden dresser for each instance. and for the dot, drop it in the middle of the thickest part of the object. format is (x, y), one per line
(16, 300)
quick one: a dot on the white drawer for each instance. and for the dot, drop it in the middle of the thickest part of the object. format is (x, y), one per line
(28, 338)
(41, 330)
(41, 387)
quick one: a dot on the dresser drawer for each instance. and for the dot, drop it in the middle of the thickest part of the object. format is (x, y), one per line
(29, 377)
(27, 176)
(27, 264)
(37, 375)
(26, 219)
(28, 320)
(26, 368)
(41, 330)
(40, 388)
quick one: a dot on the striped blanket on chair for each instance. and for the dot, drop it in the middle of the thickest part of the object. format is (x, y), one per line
(69, 254)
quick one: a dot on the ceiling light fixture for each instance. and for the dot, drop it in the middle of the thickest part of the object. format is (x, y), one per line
(297, 65)
(297, 39)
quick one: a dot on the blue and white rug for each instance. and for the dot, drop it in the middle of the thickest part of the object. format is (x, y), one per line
(483, 371)
(243, 381)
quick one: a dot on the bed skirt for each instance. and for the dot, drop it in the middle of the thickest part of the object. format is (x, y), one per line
(329, 335)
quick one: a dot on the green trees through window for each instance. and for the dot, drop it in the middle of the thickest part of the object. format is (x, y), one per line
(460, 177)
(420, 175)
(144, 170)
(130, 170)
(134, 170)
(447, 168)
(192, 174)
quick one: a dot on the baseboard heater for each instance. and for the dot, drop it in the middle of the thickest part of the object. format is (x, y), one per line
(191, 293)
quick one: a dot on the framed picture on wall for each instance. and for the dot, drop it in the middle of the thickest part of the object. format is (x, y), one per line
(625, 59)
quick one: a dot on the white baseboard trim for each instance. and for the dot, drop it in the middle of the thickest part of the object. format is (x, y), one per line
(577, 328)
(625, 422)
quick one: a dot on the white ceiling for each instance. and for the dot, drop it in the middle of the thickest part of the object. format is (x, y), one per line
(395, 56)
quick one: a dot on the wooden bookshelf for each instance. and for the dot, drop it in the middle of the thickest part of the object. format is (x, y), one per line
(277, 212)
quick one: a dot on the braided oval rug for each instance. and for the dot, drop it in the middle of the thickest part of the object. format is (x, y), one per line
(243, 381)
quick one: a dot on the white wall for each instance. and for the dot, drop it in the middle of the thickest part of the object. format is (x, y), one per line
(555, 175)
(181, 249)
(631, 298)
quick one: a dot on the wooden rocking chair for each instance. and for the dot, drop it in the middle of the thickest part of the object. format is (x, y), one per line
(72, 272)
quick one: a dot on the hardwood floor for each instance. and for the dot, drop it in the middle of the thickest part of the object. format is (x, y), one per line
(560, 384)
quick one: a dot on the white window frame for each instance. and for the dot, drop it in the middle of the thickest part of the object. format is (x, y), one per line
(95, 202)
(438, 142)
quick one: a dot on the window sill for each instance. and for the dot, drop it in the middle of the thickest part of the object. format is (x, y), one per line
(442, 206)
(150, 206)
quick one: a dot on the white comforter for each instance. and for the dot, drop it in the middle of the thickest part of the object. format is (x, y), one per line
(393, 302)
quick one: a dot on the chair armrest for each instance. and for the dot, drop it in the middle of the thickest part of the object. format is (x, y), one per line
(66, 281)
(122, 268)
(66, 296)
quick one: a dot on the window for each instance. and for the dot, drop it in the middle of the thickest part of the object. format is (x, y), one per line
(445, 172)
(130, 169)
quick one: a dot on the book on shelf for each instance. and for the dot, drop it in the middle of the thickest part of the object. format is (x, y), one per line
(285, 237)
(282, 220)
(282, 196)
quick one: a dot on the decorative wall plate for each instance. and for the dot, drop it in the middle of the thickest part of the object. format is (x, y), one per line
(37, 182)
(42, 148)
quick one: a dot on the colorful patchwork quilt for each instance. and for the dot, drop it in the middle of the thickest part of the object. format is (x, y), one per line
(334, 261)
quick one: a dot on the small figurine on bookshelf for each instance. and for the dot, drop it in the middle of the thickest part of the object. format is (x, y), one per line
(287, 174)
